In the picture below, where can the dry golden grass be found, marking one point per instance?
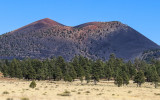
(51, 90)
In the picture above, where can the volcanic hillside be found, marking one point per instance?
(96, 40)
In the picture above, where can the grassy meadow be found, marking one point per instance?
(14, 89)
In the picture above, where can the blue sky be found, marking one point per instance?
(142, 15)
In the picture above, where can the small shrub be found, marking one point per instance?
(5, 92)
(157, 94)
(9, 99)
(87, 91)
(13, 91)
(44, 93)
(45, 86)
(24, 98)
(73, 91)
(36, 88)
(66, 93)
(100, 94)
(33, 84)
(129, 91)
(80, 90)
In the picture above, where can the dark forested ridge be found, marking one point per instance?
(96, 40)
(83, 68)
(148, 55)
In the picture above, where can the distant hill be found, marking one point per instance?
(96, 40)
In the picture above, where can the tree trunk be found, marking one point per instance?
(139, 84)
(81, 82)
(155, 84)
(87, 81)
(95, 82)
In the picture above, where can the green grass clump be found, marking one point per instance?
(44, 93)
(87, 91)
(66, 93)
(129, 91)
(157, 94)
(73, 91)
(9, 99)
(5, 92)
(100, 94)
(24, 98)
(36, 88)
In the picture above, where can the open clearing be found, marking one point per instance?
(60, 90)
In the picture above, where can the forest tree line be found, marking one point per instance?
(83, 69)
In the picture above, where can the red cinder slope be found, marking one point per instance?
(40, 24)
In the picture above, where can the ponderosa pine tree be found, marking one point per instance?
(132, 69)
(15, 70)
(148, 73)
(6, 62)
(71, 71)
(31, 73)
(154, 77)
(57, 75)
(51, 67)
(87, 69)
(137, 63)
(112, 64)
(108, 72)
(4, 70)
(81, 73)
(11, 70)
(139, 78)
(118, 80)
(24, 68)
(157, 65)
(125, 78)
(87, 77)
(97, 71)
(61, 63)
(67, 77)
(40, 74)
(45, 69)
(82, 61)
(76, 65)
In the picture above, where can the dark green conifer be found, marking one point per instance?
(139, 78)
